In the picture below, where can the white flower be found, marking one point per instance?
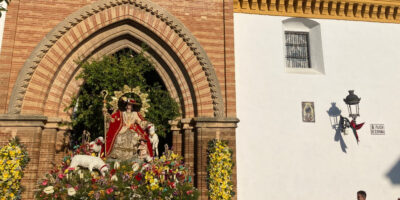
(71, 191)
(135, 167)
(48, 190)
(114, 178)
(116, 165)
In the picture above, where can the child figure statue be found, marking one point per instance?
(143, 150)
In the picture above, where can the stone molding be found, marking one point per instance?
(25, 75)
(358, 10)
(12, 120)
(215, 122)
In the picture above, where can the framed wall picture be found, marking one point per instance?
(308, 111)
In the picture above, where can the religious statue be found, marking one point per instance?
(124, 132)
(144, 153)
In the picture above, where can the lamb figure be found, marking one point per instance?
(90, 162)
(153, 139)
(96, 145)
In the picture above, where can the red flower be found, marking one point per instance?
(138, 177)
(134, 187)
(93, 180)
(112, 172)
(44, 182)
(109, 190)
(171, 184)
(189, 192)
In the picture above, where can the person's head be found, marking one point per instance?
(143, 141)
(361, 195)
(129, 104)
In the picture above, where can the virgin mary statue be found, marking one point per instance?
(124, 133)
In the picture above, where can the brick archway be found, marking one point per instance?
(46, 80)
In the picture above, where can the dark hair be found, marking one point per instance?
(142, 139)
(362, 193)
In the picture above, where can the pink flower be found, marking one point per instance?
(189, 192)
(71, 168)
(109, 190)
(61, 176)
(44, 182)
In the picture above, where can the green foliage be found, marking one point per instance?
(111, 73)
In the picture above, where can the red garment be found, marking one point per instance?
(115, 127)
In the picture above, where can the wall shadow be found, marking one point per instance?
(394, 174)
(334, 116)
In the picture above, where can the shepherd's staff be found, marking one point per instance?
(104, 93)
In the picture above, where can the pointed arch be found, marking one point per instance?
(46, 80)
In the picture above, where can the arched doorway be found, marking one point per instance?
(47, 78)
(46, 83)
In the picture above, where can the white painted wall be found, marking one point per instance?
(278, 156)
(2, 23)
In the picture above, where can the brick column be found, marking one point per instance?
(47, 146)
(188, 143)
(29, 130)
(176, 137)
(205, 130)
(62, 143)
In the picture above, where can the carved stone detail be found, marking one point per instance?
(361, 10)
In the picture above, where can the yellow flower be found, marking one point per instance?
(154, 186)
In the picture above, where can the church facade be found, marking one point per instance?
(295, 62)
(190, 43)
(282, 67)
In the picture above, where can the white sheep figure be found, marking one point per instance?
(96, 145)
(153, 139)
(90, 162)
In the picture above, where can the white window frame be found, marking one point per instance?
(314, 47)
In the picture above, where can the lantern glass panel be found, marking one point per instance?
(353, 110)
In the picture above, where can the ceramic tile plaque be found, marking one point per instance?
(308, 111)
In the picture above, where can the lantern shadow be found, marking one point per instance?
(334, 116)
(394, 174)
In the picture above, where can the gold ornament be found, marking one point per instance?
(126, 90)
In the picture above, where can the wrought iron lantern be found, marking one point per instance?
(352, 102)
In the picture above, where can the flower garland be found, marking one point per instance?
(13, 160)
(219, 168)
(163, 178)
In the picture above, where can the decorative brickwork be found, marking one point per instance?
(88, 30)
(190, 43)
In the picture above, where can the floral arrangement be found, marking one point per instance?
(219, 168)
(163, 178)
(13, 160)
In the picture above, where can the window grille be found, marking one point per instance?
(297, 50)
